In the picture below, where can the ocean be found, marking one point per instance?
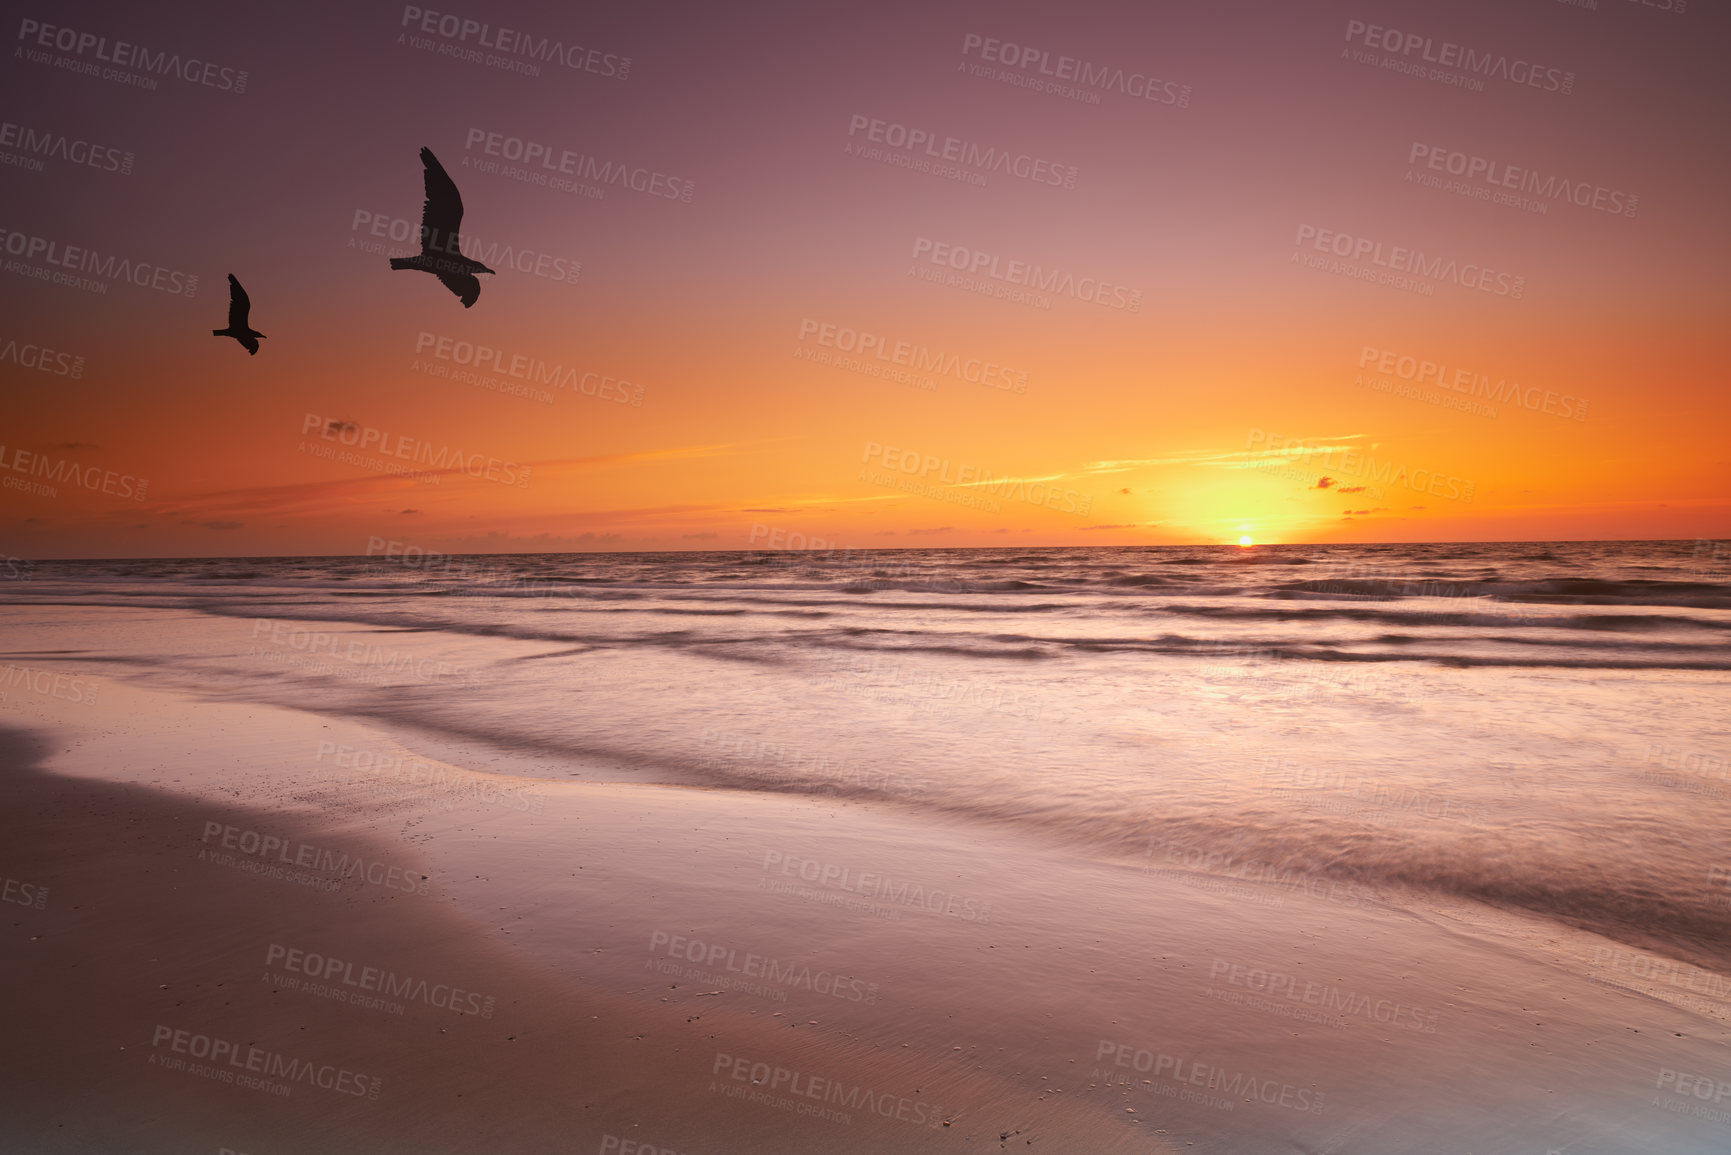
(1533, 727)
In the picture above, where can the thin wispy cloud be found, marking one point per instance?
(1010, 480)
(1227, 459)
(313, 496)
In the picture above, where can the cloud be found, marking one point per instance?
(1232, 459)
(929, 532)
(1323, 483)
(807, 502)
(78, 445)
(774, 509)
(219, 524)
(676, 453)
(1012, 480)
(698, 536)
(1125, 464)
(406, 512)
(323, 498)
(1125, 492)
(1350, 489)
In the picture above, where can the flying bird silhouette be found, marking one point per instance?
(239, 307)
(440, 252)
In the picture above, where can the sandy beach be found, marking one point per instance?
(155, 945)
(267, 929)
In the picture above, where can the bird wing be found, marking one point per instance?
(239, 304)
(442, 215)
(466, 286)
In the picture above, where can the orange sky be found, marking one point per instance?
(719, 321)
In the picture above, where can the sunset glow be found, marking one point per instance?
(1103, 350)
(1138, 578)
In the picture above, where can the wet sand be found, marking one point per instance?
(709, 971)
(138, 939)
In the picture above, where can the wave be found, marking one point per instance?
(1518, 642)
(1483, 611)
(1635, 879)
(1558, 589)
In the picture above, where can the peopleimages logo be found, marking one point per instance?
(493, 254)
(1026, 274)
(306, 855)
(1358, 464)
(66, 472)
(23, 893)
(1400, 259)
(372, 768)
(421, 452)
(794, 1087)
(1291, 991)
(48, 683)
(1233, 1085)
(966, 153)
(564, 162)
(529, 369)
(1422, 370)
(1699, 1086)
(1689, 761)
(1447, 54)
(1104, 78)
(241, 1057)
(145, 275)
(41, 358)
(779, 761)
(33, 143)
(120, 52)
(379, 981)
(1490, 177)
(829, 875)
(914, 356)
(1032, 491)
(456, 31)
(732, 960)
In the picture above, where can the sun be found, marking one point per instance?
(1245, 541)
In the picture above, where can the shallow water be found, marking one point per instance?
(1536, 726)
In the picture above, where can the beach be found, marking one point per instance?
(741, 853)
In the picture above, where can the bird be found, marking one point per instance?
(440, 252)
(239, 306)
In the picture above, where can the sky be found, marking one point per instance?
(897, 275)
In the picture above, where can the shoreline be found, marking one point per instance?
(175, 1001)
(632, 940)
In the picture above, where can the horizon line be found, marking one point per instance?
(870, 549)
